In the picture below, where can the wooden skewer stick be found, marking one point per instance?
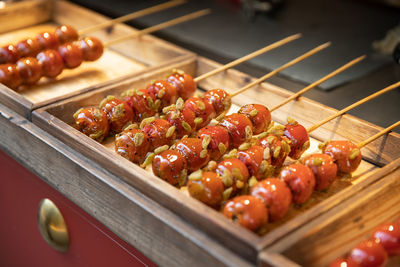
(131, 16)
(323, 79)
(285, 66)
(160, 26)
(362, 101)
(376, 136)
(249, 56)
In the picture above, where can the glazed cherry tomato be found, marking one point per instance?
(132, 144)
(342, 262)
(299, 140)
(10, 76)
(159, 132)
(92, 122)
(234, 174)
(182, 119)
(164, 91)
(66, 33)
(300, 180)
(208, 189)
(119, 113)
(9, 54)
(52, 63)
(219, 99)
(369, 253)
(239, 127)
(346, 155)
(28, 48)
(196, 156)
(203, 110)
(219, 140)
(276, 196)
(47, 40)
(71, 54)
(278, 148)
(324, 169)
(184, 83)
(259, 116)
(388, 235)
(170, 166)
(30, 70)
(92, 48)
(139, 101)
(253, 159)
(248, 211)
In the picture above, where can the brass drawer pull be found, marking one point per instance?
(52, 225)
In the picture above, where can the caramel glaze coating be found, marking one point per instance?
(342, 152)
(388, 235)
(201, 109)
(219, 99)
(191, 149)
(276, 196)
(71, 54)
(66, 33)
(324, 169)
(275, 144)
(169, 166)
(28, 48)
(259, 115)
(164, 91)
(229, 165)
(342, 262)
(178, 118)
(253, 158)
(9, 54)
(208, 189)
(126, 146)
(52, 63)
(119, 113)
(236, 124)
(92, 48)
(30, 70)
(369, 253)
(92, 122)
(219, 140)
(157, 132)
(299, 139)
(247, 211)
(47, 40)
(10, 76)
(137, 100)
(300, 180)
(184, 84)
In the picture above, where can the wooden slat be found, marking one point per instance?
(159, 234)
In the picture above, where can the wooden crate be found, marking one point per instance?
(57, 118)
(119, 61)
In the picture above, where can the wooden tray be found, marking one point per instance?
(56, 119)
(119, 61)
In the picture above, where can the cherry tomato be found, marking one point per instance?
(203, 110)
(219, 140)
(259, 116)
(92, 122)
(28, 48)
(253, 159)
(119, 113)
(300, 180)
(299, 140)
(248, 211)
(71, 54)
(159, 132)
(92, 48)
(276, 196)
(219, 99)
(196, 156)
(9, 54)
(388, 235)
(183, 120)
(163, 90)
(342, 262)
(239, 127)
(278, 148)
(234, 174)
(10, 76)
(47, 40)
(369, 253)
(66, 33)
(324, 169)
(30, 70)
(170, 166)
(52, 63)
(139, 101)
(184, 84)
(346, 154)
(132, 144)
(208, 189)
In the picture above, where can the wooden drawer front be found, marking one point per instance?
(91, 244)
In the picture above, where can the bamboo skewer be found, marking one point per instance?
(131, 16)
(376, 136)
(160, 26)
(249, 56)
(362, 101)
(285, 66)
(323, 79)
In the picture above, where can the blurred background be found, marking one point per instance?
(238, 27)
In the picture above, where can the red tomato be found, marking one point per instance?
(208, 189)
(219, 99)
(324, 169)
(369, 253)
(342, 262)
(239, 127)
(219, 140)
(92, 122)
(388, 235)
(164, 91)
(276, 146)
(300, 180)
(299, 139)
(253, 159)
(259, 116)
(119, 113)
(196, 156)
(203, 110)
(184, 83)
(132, 144)
(346, 154)
(157, 130)
(170, 166)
